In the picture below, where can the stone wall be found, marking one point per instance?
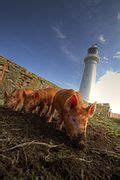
(13, 76)
(114, 115)
(102, 110)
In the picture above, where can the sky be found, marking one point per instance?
(51, 37)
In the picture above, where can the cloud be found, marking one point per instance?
(118, 16)
(65, 44)
(65, 84)
(70, 85)
(117, 55)
(70, 54)
(102, 39)
(104, 60)
(107, 90)
(59, 33)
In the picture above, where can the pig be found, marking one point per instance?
(73, 114)
(41, 98)
(16, 99)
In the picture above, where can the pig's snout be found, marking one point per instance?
(79, 141)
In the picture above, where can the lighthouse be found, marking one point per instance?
(89, 75)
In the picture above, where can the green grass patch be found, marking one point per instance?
(110, 124)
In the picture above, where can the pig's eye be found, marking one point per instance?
(73, 120)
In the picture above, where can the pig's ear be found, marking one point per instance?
(71, 103)
(91, 109)
(36, 95)
(6, 94)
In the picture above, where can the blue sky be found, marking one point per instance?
(51, 37)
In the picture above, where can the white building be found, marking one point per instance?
(89, 75)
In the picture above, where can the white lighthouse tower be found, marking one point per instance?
(89, 75)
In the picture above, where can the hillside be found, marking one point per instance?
(30, 148)
(13, 76)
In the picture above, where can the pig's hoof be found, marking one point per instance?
(49, 120)
(58, 127)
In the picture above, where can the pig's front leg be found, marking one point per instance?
(61, 121)
(48, 110)
(41, 109)
(51, 114)
(17, 107)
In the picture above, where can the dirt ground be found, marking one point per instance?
(30, 148)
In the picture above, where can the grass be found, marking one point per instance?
(110, 124)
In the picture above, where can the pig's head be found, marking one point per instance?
(30, 102)
(11, 100)
(76, 118)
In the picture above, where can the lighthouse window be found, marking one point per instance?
(92, 51)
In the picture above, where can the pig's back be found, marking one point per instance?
(62, 96)
(47, 94)
(50, 91)
(28, 91)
